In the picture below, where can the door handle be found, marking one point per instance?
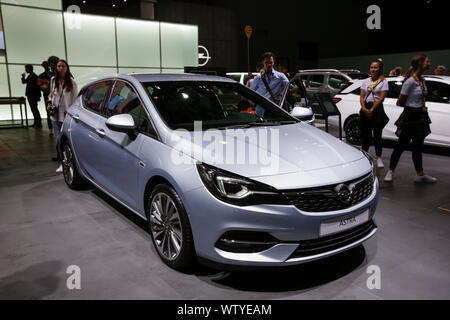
(100, 132)
(76, 117)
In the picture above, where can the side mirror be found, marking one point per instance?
(301, 112)
(122, 123)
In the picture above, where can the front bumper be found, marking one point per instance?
(210, 218)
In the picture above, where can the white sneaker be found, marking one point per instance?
(388, 177)
(380, 163)
(425, 178)
(59, 170)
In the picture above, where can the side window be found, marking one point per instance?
(315, 81)
(337, 81)
(125, 100)
(438, 91)
(394, 89)
(95, 95)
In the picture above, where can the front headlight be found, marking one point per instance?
(234, 189)
(371, 161)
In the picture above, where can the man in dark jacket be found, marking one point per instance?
(33, 93)
(44, 83)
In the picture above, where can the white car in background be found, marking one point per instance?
(241, 77)
(438, 103)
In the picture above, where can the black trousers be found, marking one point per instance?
(403, 142)
(366, 137)
(49, 122)
(34, 109)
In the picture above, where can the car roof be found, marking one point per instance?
(357, 83)
(151, 77)
(232, 73)
(154, 77)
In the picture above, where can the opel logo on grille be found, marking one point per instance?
(343, 193)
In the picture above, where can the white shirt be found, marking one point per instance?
(62, 99)
(412, 90)
(381, 86)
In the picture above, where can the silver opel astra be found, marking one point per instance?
(221, 174)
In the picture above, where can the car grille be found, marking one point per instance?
(332, 198)
(332, 242)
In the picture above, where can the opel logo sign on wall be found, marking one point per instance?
(203, 56)
(343, 193)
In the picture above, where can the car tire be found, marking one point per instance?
(351, 129)
(169, 227)
(70, 170)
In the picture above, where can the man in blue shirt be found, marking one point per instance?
(275, 80)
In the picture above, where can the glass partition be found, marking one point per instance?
(90, 40)
(138, 43)
(83, 75)
(95, 46)
(47, 4)
(179, 45)
(18, 89)
(32, 35)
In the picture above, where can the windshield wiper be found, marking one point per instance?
(272, 123)
(234, 126)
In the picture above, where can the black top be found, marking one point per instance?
(32, 91)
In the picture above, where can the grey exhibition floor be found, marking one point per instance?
(46, 227)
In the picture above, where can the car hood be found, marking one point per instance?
(264, 151)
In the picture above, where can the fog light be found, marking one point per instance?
(245, 241)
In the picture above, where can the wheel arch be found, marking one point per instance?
(350, 117)
(150, 185)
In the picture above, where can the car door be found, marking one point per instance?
(85, 139)
(121, 163)
(314, 84)
(438, 103)
(294, 95)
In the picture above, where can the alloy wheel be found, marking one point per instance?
(68, 166)
(352, 133)
(166, 226)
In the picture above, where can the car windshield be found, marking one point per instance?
(357, 75)
(219, 105)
